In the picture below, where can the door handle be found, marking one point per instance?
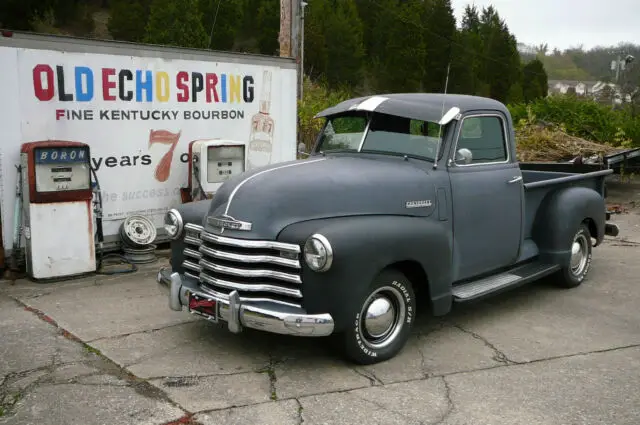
(515, 179)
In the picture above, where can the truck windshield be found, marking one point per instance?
(386, 134)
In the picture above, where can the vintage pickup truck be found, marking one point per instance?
(403, 195)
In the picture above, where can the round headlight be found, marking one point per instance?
(318, 253)
(173, 223)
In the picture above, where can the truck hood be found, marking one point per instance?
(274, 197)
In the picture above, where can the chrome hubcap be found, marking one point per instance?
(381, 318)
(579, 251)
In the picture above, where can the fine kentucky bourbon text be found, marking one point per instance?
(261, 137)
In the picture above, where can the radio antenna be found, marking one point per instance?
(446, 84)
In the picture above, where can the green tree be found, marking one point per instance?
(343, 35)
(176, 23)
(228, 15)
(128, 19)
(334, 49)
(400, 66)
(268, 20)
(439, 30)
(500, 55)
(534, 81)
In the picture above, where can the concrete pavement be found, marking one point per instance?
(108, 350)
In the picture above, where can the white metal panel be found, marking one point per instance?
(9, 140)
(61, 239)
(138, 174)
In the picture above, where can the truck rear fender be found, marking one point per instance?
(559, 216)
(362, 247)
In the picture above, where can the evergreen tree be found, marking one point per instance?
(343, 36)
(316, 50)
(439, 31)
(501, 59)
(176, 23)
(228, 16)
(127, 19)
(467, 63)
(534, 80)
(400, 67)
(268, 20)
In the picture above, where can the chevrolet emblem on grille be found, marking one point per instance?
(226, 222)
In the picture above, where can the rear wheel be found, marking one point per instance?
(574, 272)
(381, 324)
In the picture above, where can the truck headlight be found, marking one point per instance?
(318, 253)
(173, 223)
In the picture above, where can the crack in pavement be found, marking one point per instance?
(108, 366)
(498, 356)
(383, 407)
(145, 331)
(270, 370)
(450, 405)
(300, 410)
(187, 419)
(423, 359)
(370, 375)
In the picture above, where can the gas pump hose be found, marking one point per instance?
(100, 255)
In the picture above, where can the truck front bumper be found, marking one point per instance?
(238, 315)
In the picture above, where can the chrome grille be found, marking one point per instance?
(258, 270)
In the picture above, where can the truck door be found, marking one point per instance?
(487, 196)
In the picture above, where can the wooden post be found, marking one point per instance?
(285, 28)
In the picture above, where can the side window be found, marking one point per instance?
(484, 137)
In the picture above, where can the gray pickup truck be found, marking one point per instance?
(403, 195)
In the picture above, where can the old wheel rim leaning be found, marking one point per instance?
(382, 317)
(579, 254)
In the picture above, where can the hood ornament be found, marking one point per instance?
(228, 222)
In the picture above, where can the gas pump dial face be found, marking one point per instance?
(61, 169)
(224, 162)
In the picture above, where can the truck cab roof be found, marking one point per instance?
(418, 106)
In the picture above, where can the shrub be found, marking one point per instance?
(315, 98)
(583, 118)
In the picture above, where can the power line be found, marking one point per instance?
(214, 23)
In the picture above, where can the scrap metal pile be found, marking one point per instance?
(548, 143)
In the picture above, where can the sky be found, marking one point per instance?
(565, 23)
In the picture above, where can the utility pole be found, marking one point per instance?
(285, 28)
(303, 4)
(295, 40)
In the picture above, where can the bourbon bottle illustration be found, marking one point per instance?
(261, 137)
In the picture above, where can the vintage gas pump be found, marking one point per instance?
(58, 213)
(212, 163)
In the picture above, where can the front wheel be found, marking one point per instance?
(574, 272)
(382, 322)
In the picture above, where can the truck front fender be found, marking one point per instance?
(559, 216)
(363, 246)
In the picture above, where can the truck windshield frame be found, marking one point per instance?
(366, 132)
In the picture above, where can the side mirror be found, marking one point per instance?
(464, 156)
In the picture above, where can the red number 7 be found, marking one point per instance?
(163, 169)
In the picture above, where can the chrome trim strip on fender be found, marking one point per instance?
(235, 189)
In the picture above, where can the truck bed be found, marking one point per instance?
(538, 184)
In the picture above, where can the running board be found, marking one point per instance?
(502, 281)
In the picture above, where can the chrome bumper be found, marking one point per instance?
(238, 315)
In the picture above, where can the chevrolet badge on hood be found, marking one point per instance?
(227, 222)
